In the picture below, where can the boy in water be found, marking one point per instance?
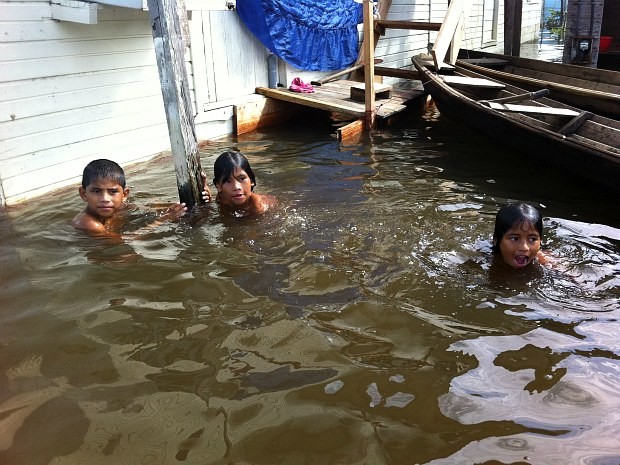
(105, 193)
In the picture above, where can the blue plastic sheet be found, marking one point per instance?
(314, 35)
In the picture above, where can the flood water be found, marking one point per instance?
(362, 322)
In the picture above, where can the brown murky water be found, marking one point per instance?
(363, 322)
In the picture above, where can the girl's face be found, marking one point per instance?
(236, 190)
(520, 245)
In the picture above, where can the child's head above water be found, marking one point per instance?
(229, 163)
(235, 181)
(518, 234)
(103, 170)
(105, 193)
(103, 189)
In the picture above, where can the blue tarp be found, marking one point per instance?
(314, 35)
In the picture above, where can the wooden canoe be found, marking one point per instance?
(559, 135)
(591, 89)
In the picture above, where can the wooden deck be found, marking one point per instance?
(335, 96)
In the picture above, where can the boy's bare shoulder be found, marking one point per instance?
(85, 222)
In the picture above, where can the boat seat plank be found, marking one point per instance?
(472, 82)
(575, 123)
(531, 109)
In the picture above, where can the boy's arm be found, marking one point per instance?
(174, 212)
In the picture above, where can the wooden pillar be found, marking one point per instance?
(513, 12)
(450, 32)
(170, 56)
(369, 66)
(384, 9)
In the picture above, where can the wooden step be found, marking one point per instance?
(358, 92)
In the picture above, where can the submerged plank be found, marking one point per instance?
(350, 131)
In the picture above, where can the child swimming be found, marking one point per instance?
(235, 181)
(105, 193)
(518, 235)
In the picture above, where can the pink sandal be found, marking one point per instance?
(297, 85)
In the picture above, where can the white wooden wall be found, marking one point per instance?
(227, 64)
(531, 19)
(477, 31)
(397, 46)
(70, 93)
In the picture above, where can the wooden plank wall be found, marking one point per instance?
(479, 18)
(70, 93)
(530, 21)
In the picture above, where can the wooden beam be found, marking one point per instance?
(170, 53)
(369, 66)
(351, 131)
(455, 18)
(331, 77)
(382, 24)
(575, 123)
(74, 11)
(397, 72)
(384, 9)
(512, 26)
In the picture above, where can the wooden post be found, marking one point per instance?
(512, 27)
(384, 9)
(369, 66)
(452, 25)
(170, 56)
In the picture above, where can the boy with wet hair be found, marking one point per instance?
(105, 193)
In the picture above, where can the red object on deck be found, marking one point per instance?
(604, 43)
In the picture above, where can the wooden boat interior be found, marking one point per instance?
(537, 70)
(536, 110)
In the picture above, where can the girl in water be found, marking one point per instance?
(235, 181)
(518, 235)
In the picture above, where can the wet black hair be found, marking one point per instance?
(225, 166)
(103, 169)
(515, 214)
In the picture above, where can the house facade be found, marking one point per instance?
(79, 80)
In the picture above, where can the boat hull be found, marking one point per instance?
(597, 163)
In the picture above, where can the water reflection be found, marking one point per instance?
(364, 321)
